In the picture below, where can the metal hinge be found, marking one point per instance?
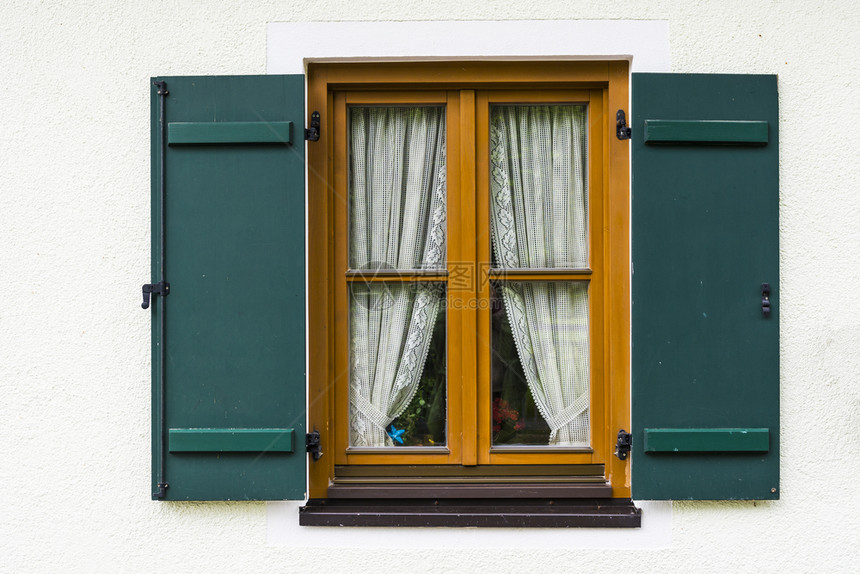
(622, 132)
(765, 299)
(161, 288)
(312, 444)
(312, 134)
(623, 445)
(162, 490)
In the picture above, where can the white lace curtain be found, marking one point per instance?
(539, 209)
(397, 222)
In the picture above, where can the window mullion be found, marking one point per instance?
(464, 269)
(482, 242)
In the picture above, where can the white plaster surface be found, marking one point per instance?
(74, 237)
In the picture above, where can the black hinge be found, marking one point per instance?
(312, 134)
(312, 444)
(161, 288)
(162, 490)
(623, 445)
(622, 132)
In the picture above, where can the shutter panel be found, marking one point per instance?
(234, 320)
(705, 358)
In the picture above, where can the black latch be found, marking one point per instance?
(312, 444)
(312, 134)
(622, 132)
(765, 299)
(622, 446)
(161, 288)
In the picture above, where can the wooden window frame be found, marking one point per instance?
(466, 87)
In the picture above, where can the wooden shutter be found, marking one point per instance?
(232, 426)
(705, 357)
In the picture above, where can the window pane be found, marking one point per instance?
(540, 371)
(538, 186)
(397, 217)
(397, 394)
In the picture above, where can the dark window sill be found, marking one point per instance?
(459, 512)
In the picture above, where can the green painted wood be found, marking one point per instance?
(234, 319)
(230, 440)
(184, 133)
(705, 131)
(705, 226)
(706, 440)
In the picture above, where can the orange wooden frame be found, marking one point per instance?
(342, 453)
(467, 89)
(593, 275)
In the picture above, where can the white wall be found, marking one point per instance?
(74, 249)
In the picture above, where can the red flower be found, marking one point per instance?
(502, 413)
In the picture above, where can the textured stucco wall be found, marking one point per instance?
(74, 249)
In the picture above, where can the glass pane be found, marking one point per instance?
(397, 191)
(538, 186)
(397, 394)
(540, 371)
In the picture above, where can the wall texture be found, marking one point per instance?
(74, 250)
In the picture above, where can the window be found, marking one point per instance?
(448, 204)
(230, 394)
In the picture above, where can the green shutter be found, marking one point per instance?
(234, 321)
(705, 358)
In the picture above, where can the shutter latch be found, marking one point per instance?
(622, 132)
(623, 445)
(161, 288)
(312, 134)
(765, 299)
(312, 444)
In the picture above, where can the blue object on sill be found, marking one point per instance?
(396, 434)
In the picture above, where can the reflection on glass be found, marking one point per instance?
(423, 421)
(515, 416)
(397, 394)
(540, 371)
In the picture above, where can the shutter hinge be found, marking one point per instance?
(623, 445)
(765, 299)
(312, 444)
(622, 132)
(162, 490)
(312, 134)
(161, 288)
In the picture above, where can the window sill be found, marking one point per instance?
(464, 512)
(537, 496)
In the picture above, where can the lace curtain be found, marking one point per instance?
(397, 222)
(539, 220)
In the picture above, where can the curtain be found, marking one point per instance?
(397, 221)
(538, 196)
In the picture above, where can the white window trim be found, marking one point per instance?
(292, 45)
(645, 43)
